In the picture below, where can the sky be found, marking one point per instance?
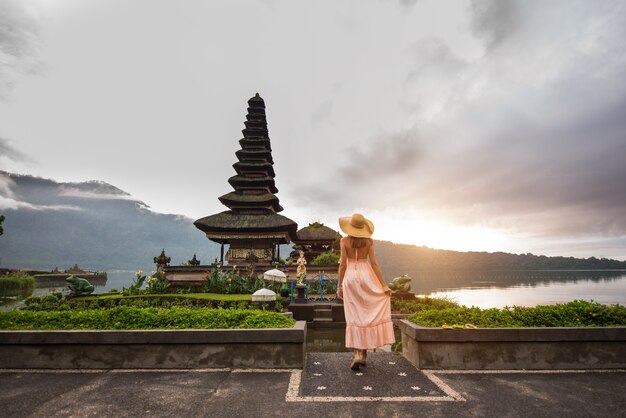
(465, 125)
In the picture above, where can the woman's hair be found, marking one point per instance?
(359, 242)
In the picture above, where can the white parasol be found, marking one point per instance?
(275, 275)
(263, 295)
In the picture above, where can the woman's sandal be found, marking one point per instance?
(355, 364)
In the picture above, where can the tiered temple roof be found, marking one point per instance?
(315, 239)
(253, 204)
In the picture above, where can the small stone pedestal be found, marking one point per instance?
(301, 297)
(403, 295)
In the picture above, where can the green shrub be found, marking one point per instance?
(108, 301)
(326, 259)
(130, 317)
(157, 284)
(421, 304)
(573, 314)
(16, 284)
(135, 287)
(235, 281)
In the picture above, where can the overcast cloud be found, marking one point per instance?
(503, 116)
(529, 137)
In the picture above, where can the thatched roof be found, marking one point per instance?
(316, 232)
(242, 182)
(230, 221)
(237, 199)
(242, 167)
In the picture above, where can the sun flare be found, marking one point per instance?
(411, 229)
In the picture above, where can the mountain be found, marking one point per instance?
(403, 257)
(50, 224)
(95, 224)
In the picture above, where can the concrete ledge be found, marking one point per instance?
(154, 349)
(514, 348)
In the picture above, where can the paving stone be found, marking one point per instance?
(386, 375)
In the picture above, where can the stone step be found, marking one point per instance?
(323, 313)
(320, 320)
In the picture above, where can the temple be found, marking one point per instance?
(252, 226)
(316, 239)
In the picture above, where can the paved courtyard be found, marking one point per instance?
(387, 387)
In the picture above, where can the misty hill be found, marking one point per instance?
(50, 224)
(402, 258)
(94, 224)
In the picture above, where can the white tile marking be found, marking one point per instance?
(402, 374)
(359, 374)
(316, 362)
(321, 388)
(415, 387)
(392, 362)
(296, 378)
(367, 388)
(317, 374)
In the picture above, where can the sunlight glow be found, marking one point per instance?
(410, 228)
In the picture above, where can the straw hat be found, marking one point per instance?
(357, 226)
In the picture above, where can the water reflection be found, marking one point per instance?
(606, 291)
(433, 281)
(326, 340)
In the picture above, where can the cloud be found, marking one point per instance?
(322, 112)
(9, 203)
(8, 151)
(494, 20)
(373, 168)
(92, 194)
(528, 137)
(8, 199)
(19, 41)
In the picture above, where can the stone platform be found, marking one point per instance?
(387, 376)
(289, 393)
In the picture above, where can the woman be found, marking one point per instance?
(366, 296)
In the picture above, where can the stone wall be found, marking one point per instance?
(514, 348)
(154, 349)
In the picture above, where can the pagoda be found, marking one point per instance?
(316, 239)
(252, 226)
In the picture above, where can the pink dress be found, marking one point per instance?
(367, 308)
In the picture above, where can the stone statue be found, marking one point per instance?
(301, 270)
(401, 284)
(79, 287)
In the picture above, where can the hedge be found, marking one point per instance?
(421, 304)
(130, 317)
(578, 313)
(55, 302)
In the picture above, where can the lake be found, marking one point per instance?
(483, 289)
(523, 288)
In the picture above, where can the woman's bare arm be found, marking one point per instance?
(342, 267)
(377, 270)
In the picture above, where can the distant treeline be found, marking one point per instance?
(415, 258)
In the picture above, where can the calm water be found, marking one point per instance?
(496, 290)
(482, 289)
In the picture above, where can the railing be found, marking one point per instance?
(323, 280)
